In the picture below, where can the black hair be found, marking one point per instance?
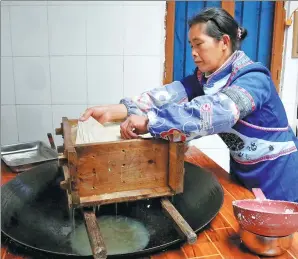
(218, 23)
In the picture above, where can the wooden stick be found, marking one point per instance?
(96, 241)
(181, 225)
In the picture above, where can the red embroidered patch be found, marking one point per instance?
(206, 107)
(173, 134)
(199, 75)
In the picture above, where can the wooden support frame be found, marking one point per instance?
(278, 42)
(277, 47)
(169, 42)
(295, 36)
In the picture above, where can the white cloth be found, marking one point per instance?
(91, 131)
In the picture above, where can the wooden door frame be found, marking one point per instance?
(278, 43)
(169, 42)
(277, 40)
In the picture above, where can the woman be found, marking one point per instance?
(228, 95)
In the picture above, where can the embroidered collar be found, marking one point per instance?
(222, 67)
(223, 71)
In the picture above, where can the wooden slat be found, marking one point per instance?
(294, 248)
(175, 254)
(3, 248)
(201, 250)
(169, 42)
(72, 166)
(295, 35)
(176, 166)
(115, 197)
(278, 42)
(71, 155)
(229, 6)
(227, 212)
(219, 223)
(203, 247)
(66, 129)
(228, 243)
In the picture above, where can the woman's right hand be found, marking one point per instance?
(99, 113)
(105, 113)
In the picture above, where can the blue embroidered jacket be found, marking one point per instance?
(239, 103)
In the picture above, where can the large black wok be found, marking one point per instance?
(34, 212)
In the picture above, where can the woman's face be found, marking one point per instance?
(208, 53)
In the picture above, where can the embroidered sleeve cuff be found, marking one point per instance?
(131, 107)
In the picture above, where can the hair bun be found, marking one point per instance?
(243, 33)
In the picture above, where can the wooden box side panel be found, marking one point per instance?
(176, 166)
(69, 133)
(122, 166)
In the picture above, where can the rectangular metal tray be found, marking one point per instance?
(23, 156)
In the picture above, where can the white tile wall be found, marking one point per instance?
(5, 32)
(29, 30)
(110, 78)
(68, 80)
(105, 28)
(9, 129)
(32, 80)
(67, 3)
(7, 81)
(137, 40)
(145, 3)
(60, 57)
(139, 74)
(23, 3)
(34, 122)
(67, 30)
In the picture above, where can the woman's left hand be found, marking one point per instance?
(133, 126)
